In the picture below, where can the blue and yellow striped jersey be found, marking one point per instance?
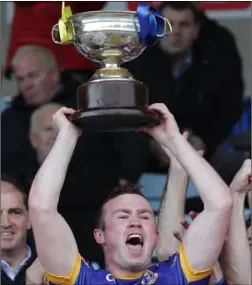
(174, 271)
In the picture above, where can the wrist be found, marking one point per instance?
(173, 144)
(238, 196)
(69, 132)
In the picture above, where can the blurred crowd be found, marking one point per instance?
(196, 72)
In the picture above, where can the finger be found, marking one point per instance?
(160, 109)
(193, 215)
(143, 129)
(186, 135)
(201, 152)
(247, 162)
(249, 178)
(177, 235)
(185, 224)
(66, 111)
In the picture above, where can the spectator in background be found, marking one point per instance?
(32, 25)
(39, 82)
(196, 72)
(231, 153)
(17, 257)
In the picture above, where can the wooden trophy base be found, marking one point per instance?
(112, 105)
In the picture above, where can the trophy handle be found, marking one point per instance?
(167, 28)
(62, 33)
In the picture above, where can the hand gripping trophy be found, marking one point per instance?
(112, 100)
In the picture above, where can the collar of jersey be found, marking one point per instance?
(129, 276)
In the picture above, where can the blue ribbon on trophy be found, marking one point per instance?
(152, 24)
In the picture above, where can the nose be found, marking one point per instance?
(135, 223)
(26, 85)
(175, 29)
(5, 221)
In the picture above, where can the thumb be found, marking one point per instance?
(144, 130)
(186, 135)
(201, 152)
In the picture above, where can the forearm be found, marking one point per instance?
(213, 191)
(47, 185)
(236, 251)
(172, 211)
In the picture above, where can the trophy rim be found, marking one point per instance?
(102, 12)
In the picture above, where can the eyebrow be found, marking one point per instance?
(15, 209)
(127, 211)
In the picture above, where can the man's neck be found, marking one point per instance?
(14, 257)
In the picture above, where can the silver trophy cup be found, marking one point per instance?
(112, 100)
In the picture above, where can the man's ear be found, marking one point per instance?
(33, 139)
(99, 236)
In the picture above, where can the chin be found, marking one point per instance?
(137, 265)
(7, 247)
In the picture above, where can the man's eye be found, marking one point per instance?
(123, 217)
(145, 218)
(16, 212)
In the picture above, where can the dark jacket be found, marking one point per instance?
(15, 122)
(207, 97)
(21, 276)
(99, 159)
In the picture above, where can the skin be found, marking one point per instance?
(14, 222)
(125, 215)
(55, 240)
(37, 83)
(236, 251)
(184, 32)
(42, 134)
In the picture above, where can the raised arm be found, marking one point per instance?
(202, 245)
(172, 209)
(56, 246)
(236, 251)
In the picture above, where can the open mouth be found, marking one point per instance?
(135, 244)
(135, 239)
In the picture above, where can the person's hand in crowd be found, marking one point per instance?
(35, 274)
(242, 180)
(217, 273)
(61, 122)
(164, 160)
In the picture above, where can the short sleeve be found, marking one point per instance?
(78, 275)
(177, 270)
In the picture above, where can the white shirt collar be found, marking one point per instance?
(9, 270)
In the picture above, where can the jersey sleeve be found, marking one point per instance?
(179, 271)
(79, 275)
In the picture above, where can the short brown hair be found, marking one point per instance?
(116, 192)
(181, 6)
(20, 187)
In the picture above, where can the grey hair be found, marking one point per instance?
(45, 54)
(35, 115)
